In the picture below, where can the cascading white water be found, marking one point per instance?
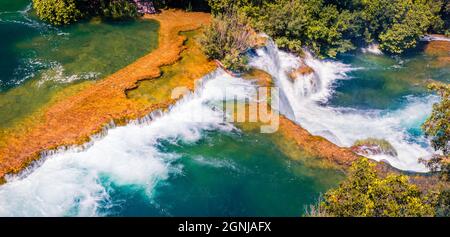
(70, 182)
(373, 49)
(21, 17)
(435, 38)
(343, 126)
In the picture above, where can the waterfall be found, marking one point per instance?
(305, 88)
(76, 182)
(304, 101)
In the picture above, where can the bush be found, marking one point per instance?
(364, 194)
(57, 12)
(440, 165)
(441, 203)
(437, 126)
(119, 10)
(227, 39)
(61, 12)
(291, 45)
(330, 27)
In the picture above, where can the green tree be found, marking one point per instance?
(57, 12)
(227, 39)
(119, 9)
(364, 194)
(441, 202)
(222, 6)
(60, 12)
(286, 22)
(398, 24)
(330, 27)
(324, 29)
(437, 126)
(331, 32)
(440, 198)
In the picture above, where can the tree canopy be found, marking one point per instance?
(61, 12)
(227, 38)
(364, 194)
(326, 27)
(437, 126)
(329, 27)
(57, 12)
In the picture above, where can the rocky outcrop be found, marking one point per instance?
(303, 70)
(371, 147)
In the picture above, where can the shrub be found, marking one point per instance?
(364, 194)
(57, 12)
(330, 27)
(60, 12)
(440, 165)
(291, 45)
(441, 202)
(119, 10)
(437, 126)
(227, 39)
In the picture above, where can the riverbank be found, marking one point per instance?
(73, 120)
(441, 50)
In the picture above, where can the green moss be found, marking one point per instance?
(384, 145)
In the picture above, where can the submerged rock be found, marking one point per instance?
(373, 49)
(373, 146)
(303, 70)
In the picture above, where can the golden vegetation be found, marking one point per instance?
(74, 119)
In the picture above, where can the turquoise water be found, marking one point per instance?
(172, 167)
(227, 175)
(385, 83)
(177, 168)
(220, 174)
(37, 61)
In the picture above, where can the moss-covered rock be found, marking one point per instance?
(373, 146)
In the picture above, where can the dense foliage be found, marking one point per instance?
(227, 38)
(364, 194)
(195, 5)
(437, 126)
(57, 12)
(326, 27)
(329, 27)
(60, 12)
(118, 9)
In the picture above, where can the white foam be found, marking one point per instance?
(435, 38)
(70, 182)
(22, 17)
(344, 126)
(373, 49)
(56, 73)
